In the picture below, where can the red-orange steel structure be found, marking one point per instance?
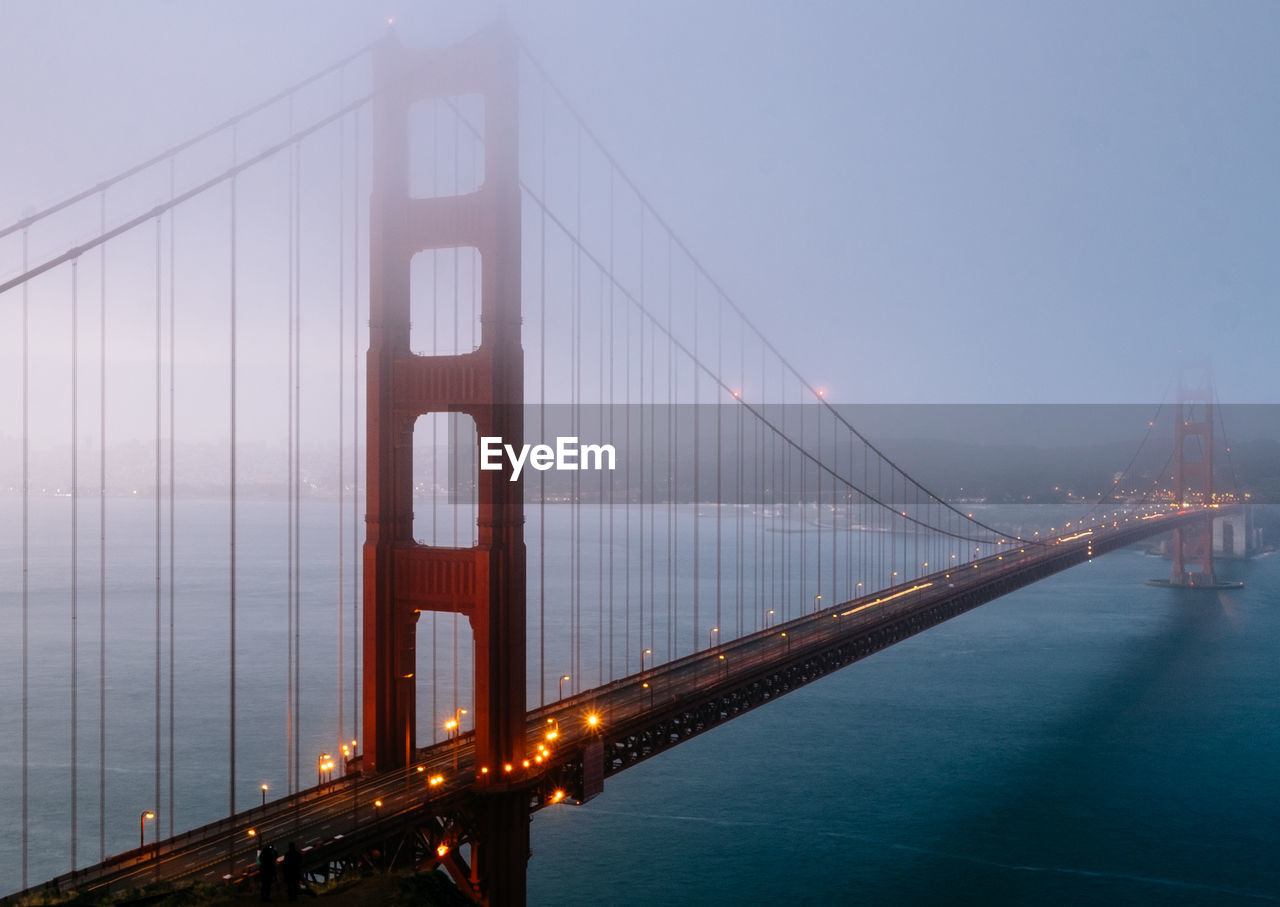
(1193, 418)
(402, 578)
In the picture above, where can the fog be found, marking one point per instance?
(916, 203)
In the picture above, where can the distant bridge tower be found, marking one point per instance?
(402, 578)
(1193, 475)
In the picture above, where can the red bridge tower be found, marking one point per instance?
(402, 578)
(1193, 419)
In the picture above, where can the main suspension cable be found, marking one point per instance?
(175, 150)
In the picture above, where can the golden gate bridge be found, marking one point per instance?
(748, 539)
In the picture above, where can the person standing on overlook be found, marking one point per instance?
(267, 869)
(292, 871)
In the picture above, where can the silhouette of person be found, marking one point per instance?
(292, 871)
(267, 869)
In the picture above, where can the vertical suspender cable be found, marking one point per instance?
(697, 472)
(355, 434)
(75, 543)
(672, 466)
(784, 494)
(626, 540)
(719, 459)
(435, 419)
(297, 462)
(231, 730)
(291, 705)
(172, 547)
(800, 591)
(818, 482)
(26, 492)
(760, 569)
(600, 675)
(102, 537)
(653, 487)
(454, 420)
(612, 404)
(640, 553)
(542, 414)
(575, 396)
(342, 423)
(761, 501)
(849, 530)
(835, 491)
(158, 508)
(742, 471)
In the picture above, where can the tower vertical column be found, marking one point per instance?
(387, 692)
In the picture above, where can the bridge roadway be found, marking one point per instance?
(634, 718)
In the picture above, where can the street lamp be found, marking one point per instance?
(711, 635)
(264, 795)
(817, 600)
(768, 619)
(645, 683)
(563, 678)
(452, 727)
(142, 828)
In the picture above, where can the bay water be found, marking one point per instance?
(1088, 739)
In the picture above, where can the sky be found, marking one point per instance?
(915, 202)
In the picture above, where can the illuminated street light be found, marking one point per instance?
(563, 678)
(264, 795)
(642, 655)
(142, 828)
(711, 634)
(817, 601)
(453, 727)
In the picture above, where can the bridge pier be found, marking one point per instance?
(500, 854)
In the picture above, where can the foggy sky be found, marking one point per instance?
(917, 202)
